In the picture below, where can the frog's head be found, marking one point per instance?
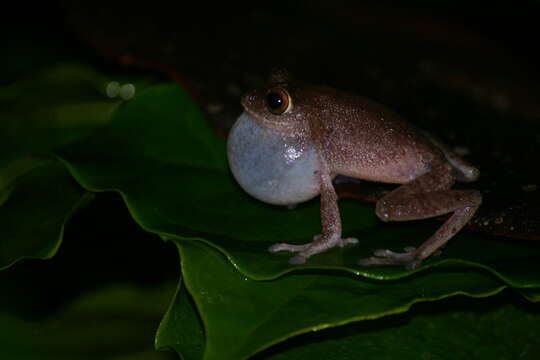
(282, 104)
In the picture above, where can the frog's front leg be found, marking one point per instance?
(331, 227)
(427, 196)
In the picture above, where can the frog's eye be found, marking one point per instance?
(278, 101)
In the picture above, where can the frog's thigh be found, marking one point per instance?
(426, 196)
(424, 205)
(423, 198)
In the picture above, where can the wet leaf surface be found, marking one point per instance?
(242, 316)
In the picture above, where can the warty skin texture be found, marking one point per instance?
(356, 137)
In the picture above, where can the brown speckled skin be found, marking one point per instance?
(360, 138)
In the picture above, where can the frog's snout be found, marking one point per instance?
(244, 100)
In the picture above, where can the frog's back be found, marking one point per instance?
(363, 139)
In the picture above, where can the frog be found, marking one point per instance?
(293, 138)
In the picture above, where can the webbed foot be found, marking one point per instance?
(318, 245)
(388, 257)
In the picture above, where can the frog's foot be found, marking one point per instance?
(341, 242)
(304, 251)
(387, 257)
(287, 247)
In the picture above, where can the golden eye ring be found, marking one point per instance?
(278, 100)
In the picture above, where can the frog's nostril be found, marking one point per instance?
(246, 99)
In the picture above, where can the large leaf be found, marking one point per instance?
(181, 328)
(161, 156)
(158, 153)
(442, 331)
(241, 316)
(38, 114)
(36, 208)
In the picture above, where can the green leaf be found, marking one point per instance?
(161, 156)
(447, 330)
(57, 106)
(156, 150)
(13, 171)
(116, 322)
(39, 114)
(181, 328)
(36, 209)
(243, 316)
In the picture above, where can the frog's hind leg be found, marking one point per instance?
(427, 196)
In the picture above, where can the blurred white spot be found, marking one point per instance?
(112, 89)
(127, 91)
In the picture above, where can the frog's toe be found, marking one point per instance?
(347, 241)
(286, 247)
(318, 246)
(388, 257)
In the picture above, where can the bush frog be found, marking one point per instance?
(293, 139)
